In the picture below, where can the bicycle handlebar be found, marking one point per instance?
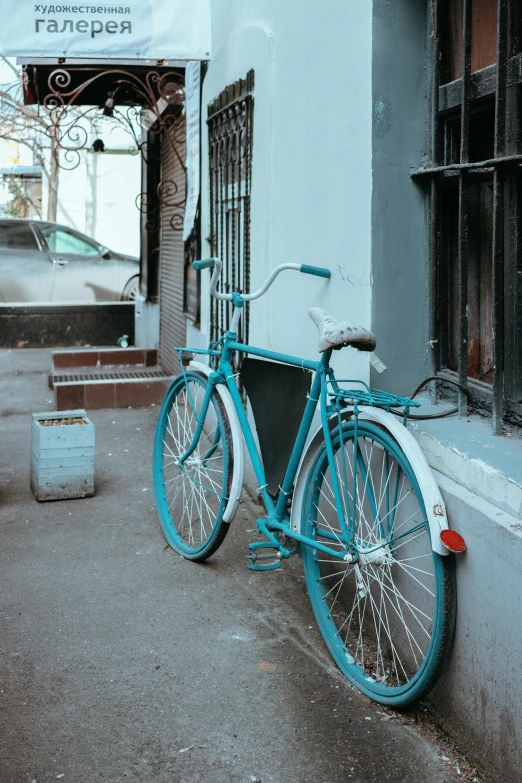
(206, 263)
(216, 264)
(318, 271)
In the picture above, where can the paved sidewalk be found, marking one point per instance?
(120, 661)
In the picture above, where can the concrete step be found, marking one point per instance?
(110, 392)
(107, 378)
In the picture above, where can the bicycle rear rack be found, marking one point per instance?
(341, 397)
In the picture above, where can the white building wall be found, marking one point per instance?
(311, 182)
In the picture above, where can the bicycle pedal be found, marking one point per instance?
(254, 555)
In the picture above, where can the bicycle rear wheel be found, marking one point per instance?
(191, 498)
(388, 619)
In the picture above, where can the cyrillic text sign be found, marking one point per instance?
(123, 29)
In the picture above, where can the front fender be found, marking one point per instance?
(435, 508)
(237, 443)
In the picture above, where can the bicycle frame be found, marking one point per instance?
(333, 400)
(277, 519)
(338, 498)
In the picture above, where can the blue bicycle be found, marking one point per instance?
(358, 502)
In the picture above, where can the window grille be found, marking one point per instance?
(474, 176)
(230, 127)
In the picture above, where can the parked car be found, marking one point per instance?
(47, 262)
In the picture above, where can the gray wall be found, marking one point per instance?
(478, 699)
(399, 251)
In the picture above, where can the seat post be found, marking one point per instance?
(325, 358)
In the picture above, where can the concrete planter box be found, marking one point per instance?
(62, 455)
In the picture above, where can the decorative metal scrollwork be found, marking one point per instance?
(151, 212)
(71, 128)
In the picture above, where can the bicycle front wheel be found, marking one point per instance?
(191, 497)
(388, 618)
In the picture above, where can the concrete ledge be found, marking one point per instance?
(479, 698)
(466, 451)
(40, 326)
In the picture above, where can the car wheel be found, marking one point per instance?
(131, 290)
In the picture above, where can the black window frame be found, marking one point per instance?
(502, 84)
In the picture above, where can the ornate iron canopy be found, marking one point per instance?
(89, 84)
(139, 99)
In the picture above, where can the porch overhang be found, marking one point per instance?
(90, 82)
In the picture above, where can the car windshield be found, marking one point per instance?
(59, 240)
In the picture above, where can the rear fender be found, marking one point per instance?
(435, 508)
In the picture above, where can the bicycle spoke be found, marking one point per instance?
(395, 652)
(397, 609)
(380, 612)
(194, 491)
(328, 525)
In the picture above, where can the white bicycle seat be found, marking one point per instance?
(336, 334)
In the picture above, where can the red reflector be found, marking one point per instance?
(453, 541)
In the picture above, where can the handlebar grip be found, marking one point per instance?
(319, 271)
(206, 263)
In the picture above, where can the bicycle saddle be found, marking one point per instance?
(336, 334)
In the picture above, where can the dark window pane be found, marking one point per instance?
(450, 278)
(480, 326)
(483, 36)
(452, 141)
(480, 343)
(451, 40)
(17, 236)
(482, 135)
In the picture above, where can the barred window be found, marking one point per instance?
(474, 170)
(230, 129)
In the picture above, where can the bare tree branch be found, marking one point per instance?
(10, 65)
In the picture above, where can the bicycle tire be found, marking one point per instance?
(192, 498)
(387, 623)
